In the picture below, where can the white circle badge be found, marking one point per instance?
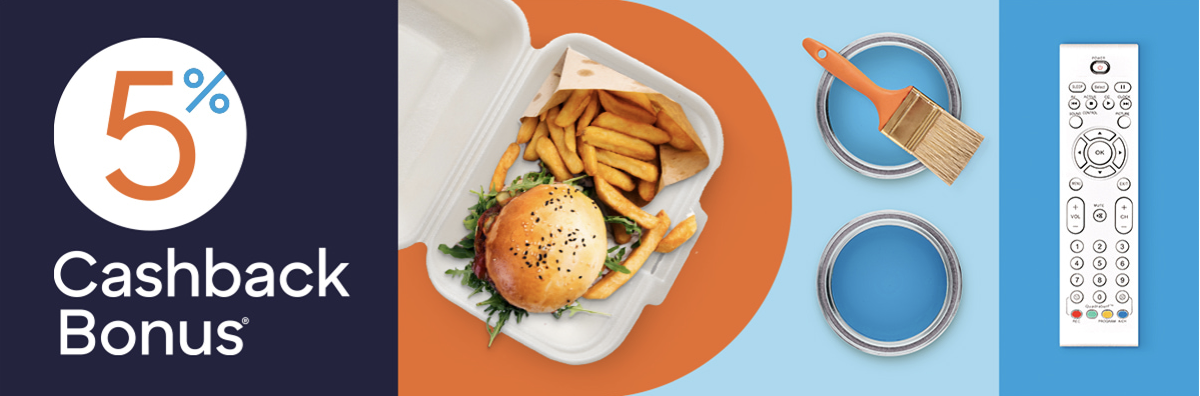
(150, 134)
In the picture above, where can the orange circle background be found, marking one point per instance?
(442, 349)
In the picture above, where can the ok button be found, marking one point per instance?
(1099, 153)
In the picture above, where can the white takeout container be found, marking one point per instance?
(467, 72)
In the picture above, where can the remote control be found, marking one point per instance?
(1098, 195)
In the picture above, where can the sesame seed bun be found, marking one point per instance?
(546, 247)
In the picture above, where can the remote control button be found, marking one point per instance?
(1099, 173)
(1122, 297)
(1090, 104)
(1099, 297)
(1099, 246)
(1122, 279)
(1099, 87)
(1108, 104)
(1107, 314)
(1075, 122)
(1091, 314)
(1122, 263)
(1076, 314)
(1099, 153)
(1125, 104)
(1080, 153)
(1077, 86)
(1077, 245)
(1076, 297)
(1100, 67)
(1124, 122)
(1099, 133)
(1075, 183)
(1099, 215)
(1122, 314)
(1123, 184)
(1075, 224)
(1122, 87)
(1076, 280)
(1076, 263)
(1073, 103)
(1122, 246)
(1124, 222)
(1099, 280)
(1099, 263)
(1119, 156)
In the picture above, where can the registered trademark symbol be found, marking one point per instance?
(245, 320)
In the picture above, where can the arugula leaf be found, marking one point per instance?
(574, 309)
(630, 227)
(614, 262)
(459, 250)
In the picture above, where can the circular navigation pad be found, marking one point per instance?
(1099, 153)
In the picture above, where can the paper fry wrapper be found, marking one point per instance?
(575, 71)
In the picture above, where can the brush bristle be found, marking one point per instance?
(947, 147)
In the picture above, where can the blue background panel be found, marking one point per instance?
(1031, 362)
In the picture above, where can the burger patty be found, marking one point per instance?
(482, 225)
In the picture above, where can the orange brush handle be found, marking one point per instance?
(886, 101)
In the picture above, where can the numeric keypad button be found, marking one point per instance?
(1122, 246)
(1099, 246)
(1122, 297)
(1122, 279)
(1076, 263)
(1099, 263)
(1076, 280)
(1077, 246)
(1099, 297)
(1122, 263)
(1099, 280)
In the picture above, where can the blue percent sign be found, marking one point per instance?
(212, 102)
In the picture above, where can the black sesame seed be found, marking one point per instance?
(539, 277)
(581, 277)
(568, 270)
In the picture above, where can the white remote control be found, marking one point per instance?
(1098, 195)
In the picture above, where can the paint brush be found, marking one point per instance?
(908, 117)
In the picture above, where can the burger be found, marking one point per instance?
(543, 248)
(536, 247)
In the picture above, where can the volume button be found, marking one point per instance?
(1075, 218)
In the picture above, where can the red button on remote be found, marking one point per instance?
(1076, 314)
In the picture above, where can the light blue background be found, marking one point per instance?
(1165, 363)
(787, 347)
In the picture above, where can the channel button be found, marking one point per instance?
(1124, 215)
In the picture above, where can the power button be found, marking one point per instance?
(1100, 67)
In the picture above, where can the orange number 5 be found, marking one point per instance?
(119, 125)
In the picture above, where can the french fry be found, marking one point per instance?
(647, 132)
(571, 159)
(637, 98)
(541, 132)
(549, 155)
(682, 232)
(620, 236)
(639, 169)
(573, 107)
(625, 109)
(679, 138)
(506, 161)
(585, 119)
(647, 189)
(619, 203)
(528, 125)
(570, 136)
(615, 279)
(619, 143)
(587, 153)
(615, 177)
